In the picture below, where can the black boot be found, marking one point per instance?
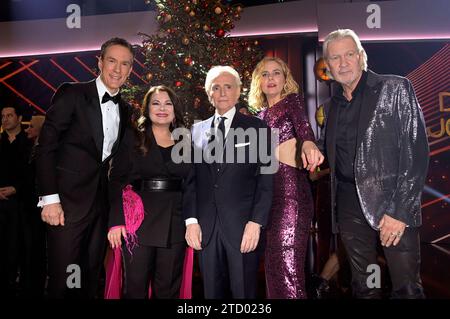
(319, 287)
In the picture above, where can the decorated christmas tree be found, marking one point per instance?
(193, 35)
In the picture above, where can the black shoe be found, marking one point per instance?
(319, 287)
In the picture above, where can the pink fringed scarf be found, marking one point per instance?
(133, 210)
(113, 287)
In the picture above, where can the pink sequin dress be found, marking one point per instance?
(292, 208)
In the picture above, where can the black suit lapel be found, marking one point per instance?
(123, 114)
(368, 105)
(229, 142)
(94, 115)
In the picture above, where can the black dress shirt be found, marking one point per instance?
(14, 159)
(347, 130)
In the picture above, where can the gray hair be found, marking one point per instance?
(217, 70)
(341, 34)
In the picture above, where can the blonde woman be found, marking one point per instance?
(275, 93)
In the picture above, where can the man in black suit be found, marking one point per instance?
(377, 148)
(226, 204)
(81, 133)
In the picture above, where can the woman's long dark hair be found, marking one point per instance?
(143, 124)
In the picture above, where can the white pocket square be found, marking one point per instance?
(241, 144)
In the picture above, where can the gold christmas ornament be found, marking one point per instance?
(192, 14)
(320, 70)
(149, 76)
(185, 41)
(206, 28)
(320, 115)
(218, 10)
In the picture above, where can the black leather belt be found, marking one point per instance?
(157, 184)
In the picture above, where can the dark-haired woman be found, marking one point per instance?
(153, 228)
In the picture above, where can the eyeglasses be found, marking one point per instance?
(348, 56)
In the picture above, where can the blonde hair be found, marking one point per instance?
(256, 98)
(342, 34)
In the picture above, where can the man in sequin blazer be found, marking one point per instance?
(377, 148)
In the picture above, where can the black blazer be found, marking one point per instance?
(163, 222)
(69, 154)
(238, 193)
(392, 151)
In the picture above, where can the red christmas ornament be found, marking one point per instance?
(220, 33)
(188, 60)
(196, 102)
(178, 84)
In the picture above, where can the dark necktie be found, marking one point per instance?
(220, 138)
(107, 97)
(221, 127)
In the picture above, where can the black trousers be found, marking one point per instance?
(9, 237)
(160, 266)
(225, 269)
(33, 265)
(82, 244)
(360, 242)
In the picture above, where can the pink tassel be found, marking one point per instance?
(133, 210)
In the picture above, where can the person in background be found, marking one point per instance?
(243, 109)
(14, 153)
(33, 267)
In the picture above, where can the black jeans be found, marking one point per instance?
(360, 241)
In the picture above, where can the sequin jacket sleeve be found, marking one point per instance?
(413, 158)
(297, 114)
